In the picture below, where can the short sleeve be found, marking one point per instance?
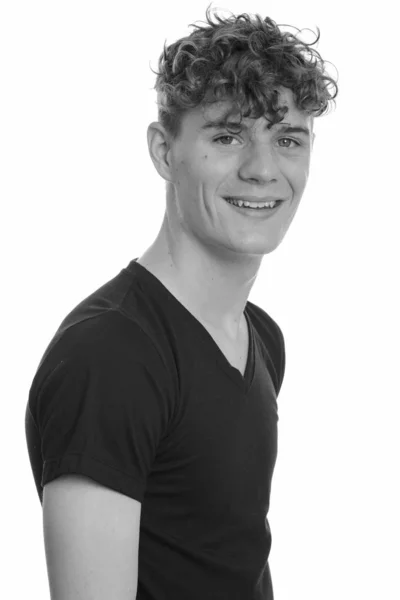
(104, 408)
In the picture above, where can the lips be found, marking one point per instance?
(255, 203)
(254, 199)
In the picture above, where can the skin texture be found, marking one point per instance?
(206, 253)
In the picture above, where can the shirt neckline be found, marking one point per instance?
(244, 380)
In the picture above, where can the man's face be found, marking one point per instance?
(207, 166)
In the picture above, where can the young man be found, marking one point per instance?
(152, 419)
(208, 251)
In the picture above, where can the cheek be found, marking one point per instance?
(298, 178)
(198, 171)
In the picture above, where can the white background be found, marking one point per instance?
(80, 198)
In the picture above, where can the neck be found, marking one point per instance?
(214, 284)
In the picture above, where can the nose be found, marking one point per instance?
(259, 163)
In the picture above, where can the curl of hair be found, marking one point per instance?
(245, 60)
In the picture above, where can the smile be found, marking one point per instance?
(263, 212)
(252, 205)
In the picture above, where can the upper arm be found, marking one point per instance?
(91, 536)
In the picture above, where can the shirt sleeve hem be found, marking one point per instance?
(81, 464)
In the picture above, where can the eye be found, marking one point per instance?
(224, 137)
(221, 137)
(290, 140)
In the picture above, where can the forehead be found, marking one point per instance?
(216, 112)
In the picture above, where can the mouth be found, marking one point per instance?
(254, 210)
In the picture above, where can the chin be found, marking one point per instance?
(256, 247)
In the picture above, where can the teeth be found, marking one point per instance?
(240, 203)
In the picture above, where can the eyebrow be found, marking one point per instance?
(219, 124)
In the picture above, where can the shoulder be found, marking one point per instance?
(265, 325)
(272, 340)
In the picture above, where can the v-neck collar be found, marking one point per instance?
(244, 381)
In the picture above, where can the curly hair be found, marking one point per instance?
(243, 60)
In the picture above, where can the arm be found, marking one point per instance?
(91, 536)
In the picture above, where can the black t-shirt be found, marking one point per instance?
(133, 392)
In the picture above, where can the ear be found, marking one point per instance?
(159, 149)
